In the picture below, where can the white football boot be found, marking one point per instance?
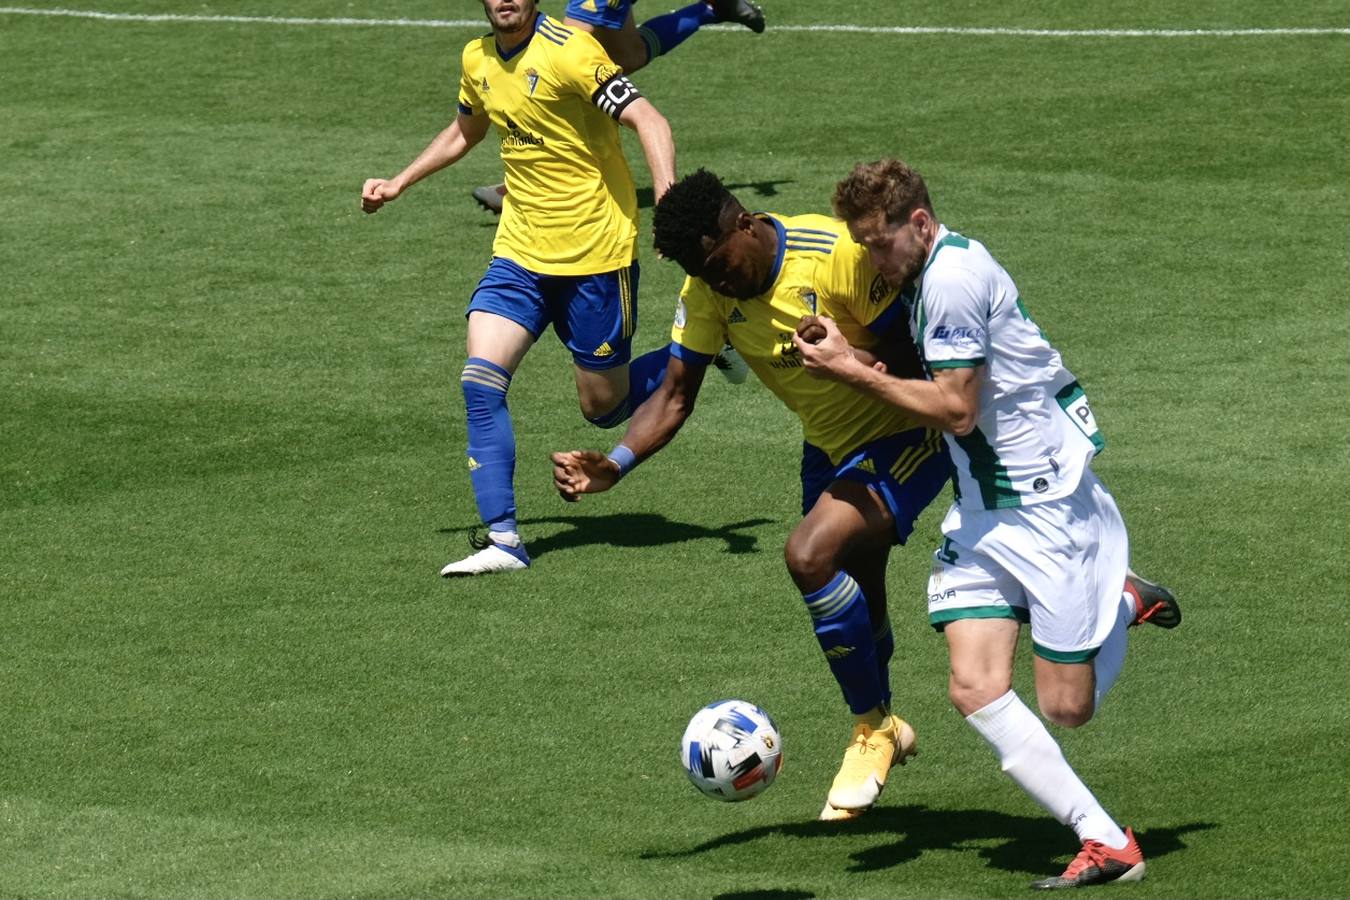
(731, 364)
(501, 551)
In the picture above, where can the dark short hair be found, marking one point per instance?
(689, 212)
(887, 185)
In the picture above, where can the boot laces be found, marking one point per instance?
(1093, 854)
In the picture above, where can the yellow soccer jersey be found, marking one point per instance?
(820, 270)
(571, 207)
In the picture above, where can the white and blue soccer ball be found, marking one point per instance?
(731, 750)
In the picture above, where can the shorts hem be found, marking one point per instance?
(1064, 656)
(602, 366)
(941, 619)
(528, 326)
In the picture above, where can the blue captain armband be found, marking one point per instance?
(624, 458)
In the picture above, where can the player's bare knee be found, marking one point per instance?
(602, 417)
(807, 563)
(1067, 712)
(630, 59)
(970, 694)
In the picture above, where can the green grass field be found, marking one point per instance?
(231, 464)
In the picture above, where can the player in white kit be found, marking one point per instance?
(1033, 535)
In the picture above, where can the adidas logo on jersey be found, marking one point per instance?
(474, 465)
(604, 350)
(868, 466)
(736, 316)
(838, 652)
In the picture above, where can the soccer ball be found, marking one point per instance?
(731, 750)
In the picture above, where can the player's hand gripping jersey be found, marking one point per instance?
(1035, 434)
(819, 271)
(571, 207)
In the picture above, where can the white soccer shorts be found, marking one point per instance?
(1059, 564)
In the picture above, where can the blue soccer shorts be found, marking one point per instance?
(595, 316)
(906, 470)
(600, 13)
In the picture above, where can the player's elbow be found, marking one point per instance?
(679, 409)
(960, 422)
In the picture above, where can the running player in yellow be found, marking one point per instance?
(632, 46)
(868, 469)
(565, 251)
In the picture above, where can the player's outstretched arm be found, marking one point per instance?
(950, 402)
(654, 424)
(447, 148)
(658, 145)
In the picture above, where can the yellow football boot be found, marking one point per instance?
(868, 760)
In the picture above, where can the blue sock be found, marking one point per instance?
(492, 442)
(663, 34)
(884, 639)
(645, 375)
(844, 629)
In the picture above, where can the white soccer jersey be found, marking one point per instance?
(1035, 434)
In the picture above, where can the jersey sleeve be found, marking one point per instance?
(470, 100)
(855, 284)
(699, 330)
(953, 321)
(586, 68)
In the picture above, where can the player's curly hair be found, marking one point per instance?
(690, 211)
(887, 185)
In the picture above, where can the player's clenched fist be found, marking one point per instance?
(810, 329)
(376, 193)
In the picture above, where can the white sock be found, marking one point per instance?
(1032, 758)
(1110, 659)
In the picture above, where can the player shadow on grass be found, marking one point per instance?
(1025, 844)
(766, 894)
(634, 530)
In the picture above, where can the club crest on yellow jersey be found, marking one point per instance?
(532, 79)
(605, 73)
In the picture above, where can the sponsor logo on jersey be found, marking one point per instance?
(519, 137)
(963, 337)
(532, 78)
(838, 652)
(604, 350)
(785, 353)
(948, 594)
(867, 465)
(1040, 485)
(879, 290)
(474, 465)
(736, 317)
(484, 87)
